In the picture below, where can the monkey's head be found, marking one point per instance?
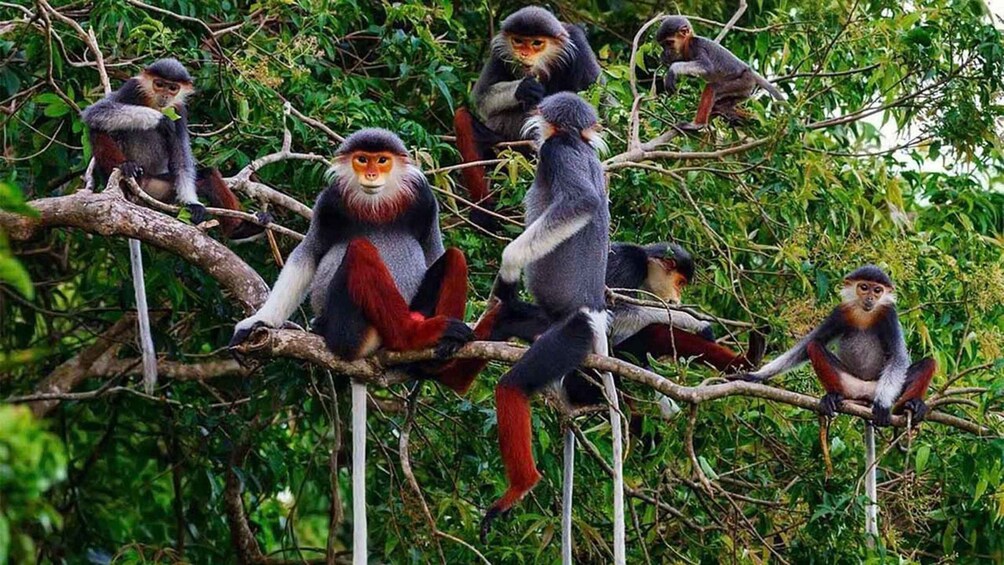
(868, 289)
(375, 175)
(674, 34)
(670, 268)
(535, 39)
(165, 83)
(565, 113)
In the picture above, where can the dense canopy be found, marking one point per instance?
(889, 151)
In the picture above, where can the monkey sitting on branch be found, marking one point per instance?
(730, 81)
(130, 130)
(872, 363)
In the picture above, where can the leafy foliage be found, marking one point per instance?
(889, 152)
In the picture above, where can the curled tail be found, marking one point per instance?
(766, 85)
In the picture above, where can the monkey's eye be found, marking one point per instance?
(158, 83)
(361, 160)
(382, 160)
(863, 287)
(518, 41)
(173, 87)
(879, 290)
(537, 44)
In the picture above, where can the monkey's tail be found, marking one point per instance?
(766, 85)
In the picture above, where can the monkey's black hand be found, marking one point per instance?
(197, 212)
(828, 404)
(707, 332)
(241, 334)
(505, 292)
(529, 93)
(669, 84)
(264, 217)
(456, 335)
(748, 377)
(881, 415)
(131, 169)
(918, 408)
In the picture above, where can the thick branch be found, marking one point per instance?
(108, 214)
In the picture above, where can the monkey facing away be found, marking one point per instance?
(129, 131)
(872, 363)
(730, 81)
(373, 259)
(533, 55)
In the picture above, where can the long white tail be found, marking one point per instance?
(766, 85)
(143, 316)
(360, 553)
(567, 486)
(871, 490)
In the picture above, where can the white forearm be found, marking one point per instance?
(499, 97)
(289, 290)
(632, 319)
(535, 242)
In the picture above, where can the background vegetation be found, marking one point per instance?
(889, 152)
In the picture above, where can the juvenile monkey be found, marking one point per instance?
(872, 362)
(129, 131)
(730, 81)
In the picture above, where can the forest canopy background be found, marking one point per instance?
(888, 152)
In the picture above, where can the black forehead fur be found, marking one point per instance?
(533, 20)
(684, 260)
(169, 69)
(671, 25)
(870, 273)
(565, 111)
(373, 140)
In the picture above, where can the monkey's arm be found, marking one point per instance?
(890, 383)
(108, 115)
(495, 91)
(181, 164)
(826, 332)
(432, 238)
(629, 319)
(560, 221)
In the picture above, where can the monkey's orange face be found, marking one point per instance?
(664, 280)
(529, 49)
(678, 40)
(869, 294)
(163, 93)
(372, 170)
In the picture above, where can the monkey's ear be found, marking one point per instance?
(670, 264)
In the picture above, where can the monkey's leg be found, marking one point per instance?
(838, 382)
(209, 184)
(729, 94)
(475, 143)
(360, 551)
(372, 289)
(443, 292)
(662, 340)
(501, 322)
(703, 111)
(918, 379)
(555, 353)
(106, 152)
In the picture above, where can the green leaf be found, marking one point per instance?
(920, 462)
(14, 274)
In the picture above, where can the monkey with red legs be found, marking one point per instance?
(730, 81)
(871, 363)
(564, 253)
(374, 264)
(533, 55)
(130, 131)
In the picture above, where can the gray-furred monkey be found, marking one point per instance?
(871, 362)
(373, 260)
(730, 81)
(129, 131)
(564, 253)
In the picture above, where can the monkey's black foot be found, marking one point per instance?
(757, 346)
(197, 212)
(131, 169)
(689, 127)
(486, 522)
(241, 335)
(748, 377)
(484, 220)
(264, 218)
(456, 335)
(881, 415)
(504, 291)
(918, 408)
(828, 404)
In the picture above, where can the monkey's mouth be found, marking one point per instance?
(372, 187)
(867, 306)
